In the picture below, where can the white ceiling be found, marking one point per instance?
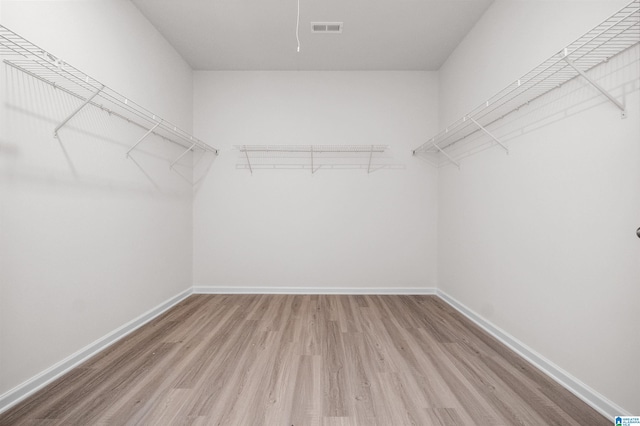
(261, 34)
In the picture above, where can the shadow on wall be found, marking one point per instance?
(90, 151)
(619, 76)
(202, 163)
(8, 150)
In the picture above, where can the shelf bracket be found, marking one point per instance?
(490, 134)
(248, 161)
(446, 155)
(77, 110)
(597, 86)
(142, 138)
(181, 155)
(370, 157)
(312, 171)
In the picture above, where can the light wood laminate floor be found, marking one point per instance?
(305, 360)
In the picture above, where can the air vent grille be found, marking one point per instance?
(326, 27)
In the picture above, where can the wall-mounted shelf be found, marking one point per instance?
(34, 61)
(613, 36)
(313, 157)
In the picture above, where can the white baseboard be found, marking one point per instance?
(22, 391)
(202, 289)
(603, 405)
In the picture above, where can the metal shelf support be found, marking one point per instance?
(597, 86)
(142, 138)
(490, 134)
(446, 155)
(246, 154)
(312, 169)
(77, 110)
(181, 155)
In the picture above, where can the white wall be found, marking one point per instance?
(335, 228)
(89, 240)
(541, 242)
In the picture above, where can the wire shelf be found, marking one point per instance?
(317, 149)
(25, 56)
(314, 157)
(613, 36)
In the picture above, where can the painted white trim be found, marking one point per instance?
(202, 289)
(600, 403)
(23, 390)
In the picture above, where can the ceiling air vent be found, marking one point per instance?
(326, 27)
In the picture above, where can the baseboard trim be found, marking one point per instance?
(24, 390)
(202, 289)
(600, 403)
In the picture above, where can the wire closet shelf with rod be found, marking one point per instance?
(21, 54)
(314, 157)
(610, 38)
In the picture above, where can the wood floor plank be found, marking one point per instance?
(163, 411)
(461, 388)
(114, 388)
(359, 377)
(378, 343)
(306, 407)
(282, 384)
(291, 327)
(309, 360)
(432, 384)
(317, 329)
(445, 417)
(193, 367)
(334, 381)
(492, 389)
(61, 390)
(215, 385)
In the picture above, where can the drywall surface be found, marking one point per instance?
(541, 242)
(335, 229)
(89, 239)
